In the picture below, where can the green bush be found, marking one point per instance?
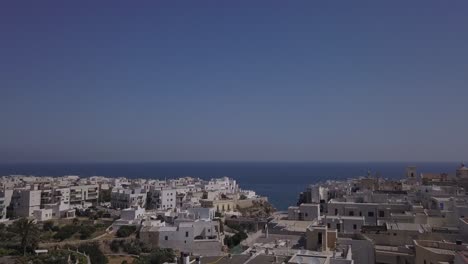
(7, 252)
(157, 256)
(125, 231)
(132, 247)
(115, 246)
(94, 253)
(66, 232)
(86, 231)
(47, 226)
(232, 241)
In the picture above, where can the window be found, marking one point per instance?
(328, 225)
(354, 227)
(319, 238)
(360, 213)
(351, 213)
(370, 214)
(381, 213)
(306, 215)
(186, 234)
(209, 230)
(166, 238)
(336, 211)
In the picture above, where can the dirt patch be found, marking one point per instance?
(119, 259)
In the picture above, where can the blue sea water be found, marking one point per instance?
(280, 181)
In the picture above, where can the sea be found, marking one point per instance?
(281, 182)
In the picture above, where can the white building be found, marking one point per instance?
(25, 202)
(43, 214)
(201, 213)
(197, 237)
(225, 184)
(5, 200)
(344, 224)
(126, 198)
(130, 216)
(164, 199)
(83, 196)
(304, 212)
(132, 213)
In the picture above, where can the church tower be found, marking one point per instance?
(411, 172)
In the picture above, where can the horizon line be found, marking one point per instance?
(225, 161)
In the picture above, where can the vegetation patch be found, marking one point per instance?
(157, 256)
(126, 231)
(95, 254)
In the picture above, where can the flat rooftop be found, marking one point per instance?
(343, 217)
(234, 259)
(408, 227)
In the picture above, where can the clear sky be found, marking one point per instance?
(233, 81)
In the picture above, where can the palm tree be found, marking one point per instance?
(28, 231)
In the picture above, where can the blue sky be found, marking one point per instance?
(233, 81)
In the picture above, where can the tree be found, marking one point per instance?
(125, 231)
(232, 241)
(115, 246)
(86, 231)
(28, 232)
(66, 232)
(105, 195)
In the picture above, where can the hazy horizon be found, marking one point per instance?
(233, 81)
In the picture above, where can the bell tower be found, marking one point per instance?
(411, 172)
